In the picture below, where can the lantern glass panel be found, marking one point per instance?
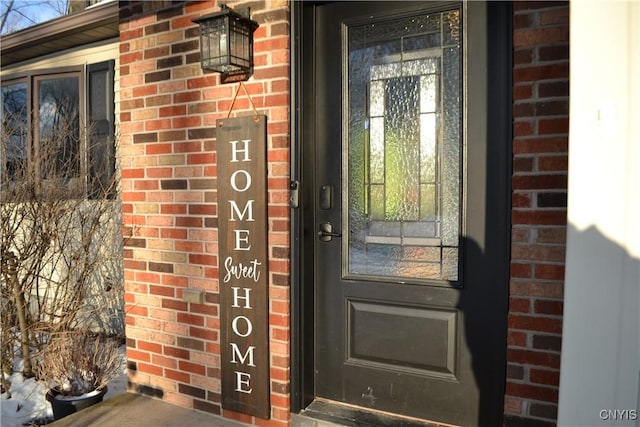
(214, 44)
(240, 33)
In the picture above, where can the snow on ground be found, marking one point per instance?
(28, 406)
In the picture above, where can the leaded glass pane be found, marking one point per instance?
(428, 154)
(423, 41)
(450, 263)
(451, 148)
(385, 228)
(419, 229)
(404, 90)
(376, 96)
(428, 202)
(419, 67)
(401, 149)
(377, 202)
(387, 71)
(377, 152)
(451, 28)
(428, 93)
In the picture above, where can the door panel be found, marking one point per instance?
(409, 293)
(430, 332)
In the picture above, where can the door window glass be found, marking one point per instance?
(404, 148)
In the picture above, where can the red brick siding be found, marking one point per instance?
(168, 109)
(539, 215)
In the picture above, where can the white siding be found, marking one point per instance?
(600, 371)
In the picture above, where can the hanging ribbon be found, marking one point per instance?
(236, 95)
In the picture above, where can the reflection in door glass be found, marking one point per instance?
(404, 148)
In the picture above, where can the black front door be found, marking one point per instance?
(406, 172)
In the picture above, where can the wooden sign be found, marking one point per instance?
(243, 263)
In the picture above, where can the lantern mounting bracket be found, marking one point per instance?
(244, 11)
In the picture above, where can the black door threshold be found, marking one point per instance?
(347, 415)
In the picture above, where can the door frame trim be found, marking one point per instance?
(301, 301)
(500, 66)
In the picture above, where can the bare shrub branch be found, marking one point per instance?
(77, 362)
(60, 236)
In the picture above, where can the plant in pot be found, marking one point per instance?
(76, 367)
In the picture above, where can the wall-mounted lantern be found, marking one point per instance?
(226, 44)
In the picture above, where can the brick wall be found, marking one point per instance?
(539, 217)
(168, 109)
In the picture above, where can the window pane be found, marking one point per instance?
(101, 147)
(14, 131)
(59, 127)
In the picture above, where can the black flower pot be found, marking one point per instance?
(63, 406)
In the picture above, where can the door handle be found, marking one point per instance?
(326, 232)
